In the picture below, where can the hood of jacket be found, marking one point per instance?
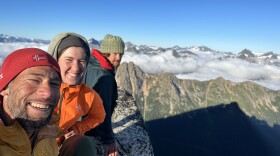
(53, 47)
(98, 60)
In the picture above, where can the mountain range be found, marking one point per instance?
(10, 39)
(178, 52)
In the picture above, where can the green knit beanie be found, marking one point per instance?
(112, 44)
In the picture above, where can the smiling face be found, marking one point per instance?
(32, 96)
(72, 64)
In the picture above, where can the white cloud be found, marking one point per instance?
(163, 62)
(207, 66)
(7, 48)
(203, 67)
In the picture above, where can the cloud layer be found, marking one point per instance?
(203, 67)
(7, 48)
(206, 67)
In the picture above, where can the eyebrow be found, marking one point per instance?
(68, 57)
(71, 57)
(57, 78)
(36, 74)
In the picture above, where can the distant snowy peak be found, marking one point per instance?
(130, 47)
(246, 54)
(10, 39)
(141, 48)
(201, 48)
(270, 55)
(94, 43)
(266, 58)
(4, 36)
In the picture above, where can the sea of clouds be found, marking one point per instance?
(207, 66)
(203, 67)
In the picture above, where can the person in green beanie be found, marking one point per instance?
(100, 75)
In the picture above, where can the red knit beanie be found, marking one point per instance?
(22, 59)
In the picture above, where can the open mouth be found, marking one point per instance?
(39, 106)
(73, 78)
(73, 74)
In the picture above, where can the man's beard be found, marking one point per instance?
(22, 117)
(28, 124)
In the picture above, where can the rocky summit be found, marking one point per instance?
(129, 128)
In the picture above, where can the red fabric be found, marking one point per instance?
(104, 63)
(22, 59)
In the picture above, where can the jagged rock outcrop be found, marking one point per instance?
(206, 118)
(129, 128)
(163, 95)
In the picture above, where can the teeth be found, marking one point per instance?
(37, 105)
(72, 74)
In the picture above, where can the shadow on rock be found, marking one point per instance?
(214, 131)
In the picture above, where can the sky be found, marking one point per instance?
(222, 25)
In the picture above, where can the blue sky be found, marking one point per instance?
(224, 25)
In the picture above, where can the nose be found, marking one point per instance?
(45, 90)
(75, 66)
(118, 57)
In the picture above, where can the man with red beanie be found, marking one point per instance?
(29, 92)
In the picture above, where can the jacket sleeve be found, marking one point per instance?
(106, 87)
(95, 115)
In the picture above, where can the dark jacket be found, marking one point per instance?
(100, 76)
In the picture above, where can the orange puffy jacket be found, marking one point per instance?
(76, 102)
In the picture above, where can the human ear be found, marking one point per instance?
(4, 92)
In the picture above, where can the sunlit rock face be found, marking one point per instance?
(129, 128)
(206, 118)
(164, 95)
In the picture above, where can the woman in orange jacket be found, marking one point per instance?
(77, 100)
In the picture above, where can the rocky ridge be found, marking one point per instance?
(163, 95)
(129, 128)
(206, 118)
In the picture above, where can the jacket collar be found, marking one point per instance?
(104, 63)
(70, 88)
